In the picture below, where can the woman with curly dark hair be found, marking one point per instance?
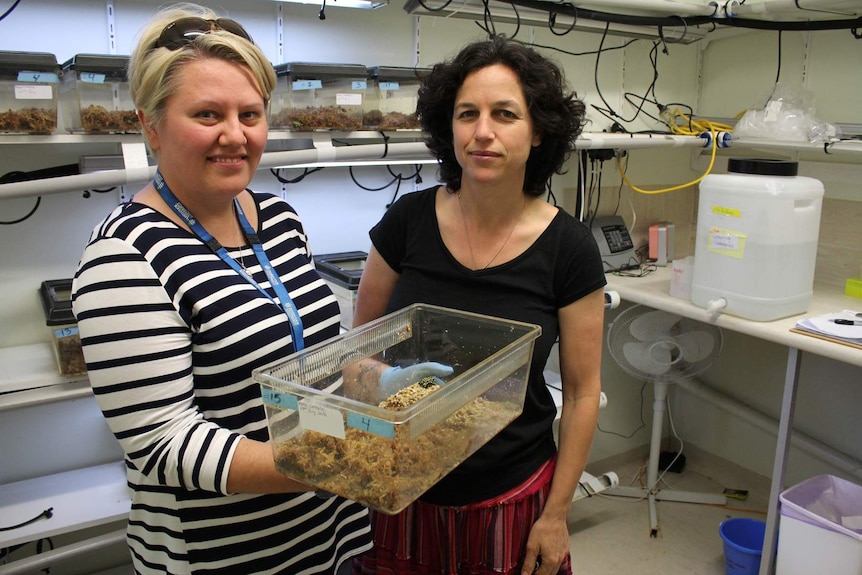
(501, 122)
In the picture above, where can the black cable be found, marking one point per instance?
(638, 428)
(426, 7)
(46, 514)
(589, 53)
(552, 20)
(9, 11)
(778, 71)
(305, 172)
(673, 21)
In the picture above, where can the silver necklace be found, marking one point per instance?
(500, 249)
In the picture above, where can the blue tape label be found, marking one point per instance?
(92, 78)
(44, 77)
(371, 425)
(306, 84)
(277, 399)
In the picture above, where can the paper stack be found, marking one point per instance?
(845, 326)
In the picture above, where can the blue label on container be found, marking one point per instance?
(371, 425)
(389, 86)
(46, 77)
(306, 84)
(360, 85)
(62, 332)
(92, 78)
(280, 400)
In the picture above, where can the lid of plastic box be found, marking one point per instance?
(345, 268)
(396, 73)
(56, 297)
(112, 65)
(313, 71)
(36, 61)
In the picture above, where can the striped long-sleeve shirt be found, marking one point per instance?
(171, 334)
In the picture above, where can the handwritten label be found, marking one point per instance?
(306, 85)
(727, 242)
(33, 92)
(389, 86)
(62, 332)
(92, 78)
(371, 425)
(43, 77)
(277, 399)
(348, 99)
(317, 417)
(359, 84)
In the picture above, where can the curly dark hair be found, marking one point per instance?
(558, 115)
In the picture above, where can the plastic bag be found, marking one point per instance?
(787, 116)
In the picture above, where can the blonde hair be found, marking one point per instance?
(153, 71)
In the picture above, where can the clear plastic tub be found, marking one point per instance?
(55, 296)
(330, 432)
(319, 97)
(392, 98)
(28, 92)
(94, 95)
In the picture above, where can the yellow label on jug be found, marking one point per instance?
(727, 242)
(725, 211)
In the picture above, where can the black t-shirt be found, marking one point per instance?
(562, 266)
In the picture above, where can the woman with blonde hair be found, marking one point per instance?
(186, 289)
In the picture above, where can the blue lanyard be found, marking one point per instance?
(274, 280)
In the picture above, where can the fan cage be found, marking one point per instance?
(619, 334)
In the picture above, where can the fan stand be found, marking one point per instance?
(652, 491)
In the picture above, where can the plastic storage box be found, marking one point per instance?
(820, 528)
(329, 431)
(94, 95)
(756, 243)
(342, 271)
(57, 304)
(28, 92)
(311, 97)
(392, 98)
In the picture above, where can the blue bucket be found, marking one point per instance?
(743, 545)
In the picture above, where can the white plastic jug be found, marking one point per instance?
(756, 242)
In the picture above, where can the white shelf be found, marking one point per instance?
(653, 290)
(31, 366)
(80, 499)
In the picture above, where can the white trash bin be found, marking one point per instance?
(820, 528)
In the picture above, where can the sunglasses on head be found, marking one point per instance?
(184, 31)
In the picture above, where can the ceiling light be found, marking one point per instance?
(367, 4)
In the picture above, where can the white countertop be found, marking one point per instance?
(653, 290)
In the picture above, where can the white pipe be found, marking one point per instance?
(810, 8)
(649, 7)
(605, 141)
(765, 423)
(324, 153)
(110, 178)
(55, 556)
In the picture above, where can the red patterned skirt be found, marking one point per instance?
(486, 538)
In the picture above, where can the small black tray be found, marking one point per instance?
(345, 268)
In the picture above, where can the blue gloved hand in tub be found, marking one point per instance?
(395, 378)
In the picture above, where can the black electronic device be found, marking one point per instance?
(615, 243)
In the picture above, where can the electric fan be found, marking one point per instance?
(662, 348)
